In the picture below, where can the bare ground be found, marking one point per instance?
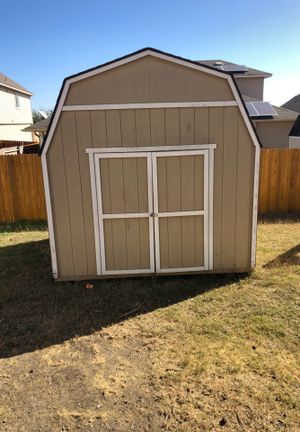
(200, 353)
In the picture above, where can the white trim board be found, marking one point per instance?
(178, 148)
(99, 107)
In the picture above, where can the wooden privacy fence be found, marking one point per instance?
(22, 191)
(279, 190)
(21, 188)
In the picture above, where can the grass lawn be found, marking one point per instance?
(199, 353)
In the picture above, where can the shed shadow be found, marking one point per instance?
(290, 257)
(36, 312)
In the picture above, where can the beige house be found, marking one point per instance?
(273, 124)
(151, 166)
(15, 112)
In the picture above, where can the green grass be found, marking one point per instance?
(199, 353)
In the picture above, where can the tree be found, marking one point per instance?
(36, 115)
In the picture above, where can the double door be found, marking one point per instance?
(153, 211)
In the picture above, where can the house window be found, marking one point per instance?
(17, 101)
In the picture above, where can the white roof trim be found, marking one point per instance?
(16, 89)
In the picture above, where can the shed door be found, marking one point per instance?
(125, 206)
(181, 210)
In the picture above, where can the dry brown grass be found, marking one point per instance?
(204, 353)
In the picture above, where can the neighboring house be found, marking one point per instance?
(293, 104)
(294, 134)
(273, 124)
(15, 113)
(39, 128)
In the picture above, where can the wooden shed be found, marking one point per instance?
(151, 166)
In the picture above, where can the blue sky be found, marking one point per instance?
(44, 41)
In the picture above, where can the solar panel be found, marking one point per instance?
(232, 68)
(261, 109)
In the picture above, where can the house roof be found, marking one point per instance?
(5, 81)
(39, 126)
(250, 72)
(283, 113)
(295, 131)
(293, 104)
(136, 53)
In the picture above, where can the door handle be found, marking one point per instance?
(153, 214)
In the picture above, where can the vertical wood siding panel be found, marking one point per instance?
(244, 197)
(199, 182)
(188, 241)
(187, 126)
(172, 126)
(116, 181)
(164, 242)
(75, 199)
(105, 185)
(108, 244)
(98, 125)
(130, 185)
(133, 244)
(141, 164)
(162, 184)
(229, 186)
(120, 250)
(128, 128)
(174, 183)
(59, 202)
(144, 243)
(199, 238)
(113, 128)
(216, 137)
(188, 187)
(201, 125)
(175, 242)
(143, 135)
(84, 140)
(157, 118)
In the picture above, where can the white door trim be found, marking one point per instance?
(206, 212)
(149, 148)
(100, 216)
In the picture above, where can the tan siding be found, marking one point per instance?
(60, 207)
(126, 244)
(157, 124)
(253, 87)
(70, 182)
(229, 186)
(75, 203)
(244, 198)
(187, 126)
(128, 128)
(216, 127)
(84, 140)
(143, 134)
(98, 125)
(172, 126)
(113, 128)
(149, 80)
(201, 125)
(274, 134)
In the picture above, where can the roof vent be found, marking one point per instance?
(218, 63)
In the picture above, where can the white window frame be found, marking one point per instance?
(17, 101)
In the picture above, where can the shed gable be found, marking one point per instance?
(149, 79)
